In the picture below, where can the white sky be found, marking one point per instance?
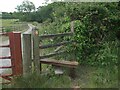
(10, 5)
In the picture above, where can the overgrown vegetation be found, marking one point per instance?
(87, 77)
(95, 47)
(95, 26)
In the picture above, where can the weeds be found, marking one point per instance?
(41, 81)
(87, 77)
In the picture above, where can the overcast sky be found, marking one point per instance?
(10, 5)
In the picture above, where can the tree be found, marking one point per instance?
(25, 10)
(19, 8)
(26, 6)
(45, 12)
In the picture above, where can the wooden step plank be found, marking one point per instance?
(59, 62)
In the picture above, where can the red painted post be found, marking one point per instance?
(16, 52)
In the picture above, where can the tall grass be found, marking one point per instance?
(87, 77)
(97, 77)
(41, 81)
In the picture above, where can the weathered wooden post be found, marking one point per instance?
(36, 59)
(118, 37)
(72, 70)
(119, 60)
(27, 56)
(72, 26)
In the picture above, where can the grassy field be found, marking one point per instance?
(14, 25)
(9, 25)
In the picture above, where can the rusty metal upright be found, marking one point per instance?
(16, 52)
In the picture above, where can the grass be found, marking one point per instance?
(87, 77)
(14, 25)
(8, 22)
(41, 81)
(97, 77)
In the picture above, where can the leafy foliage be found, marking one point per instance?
(95, 25)
(26, 6)
(6, 15)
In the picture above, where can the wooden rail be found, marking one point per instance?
(55, 35)
(52, 54)
(55, 45)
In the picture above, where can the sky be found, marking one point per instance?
(10, 5)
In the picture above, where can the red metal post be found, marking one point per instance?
(16, 52)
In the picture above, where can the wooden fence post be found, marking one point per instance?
(72, 70)
(72, 26)
(36, 59)
(118, 56)
(16, 52)
(27, 56)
